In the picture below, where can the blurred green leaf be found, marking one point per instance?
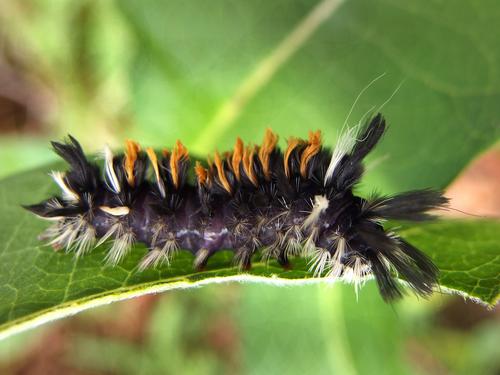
(23, 154)
(320, 329)
(195, 77)
(38, 284)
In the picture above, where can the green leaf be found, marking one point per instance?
(38, 284)
(467, 254)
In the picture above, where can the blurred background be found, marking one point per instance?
(106, 70)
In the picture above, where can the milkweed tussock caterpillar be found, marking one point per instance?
(295, 203)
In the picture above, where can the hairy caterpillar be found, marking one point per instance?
(299, 202)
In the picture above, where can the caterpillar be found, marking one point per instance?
(295, 203)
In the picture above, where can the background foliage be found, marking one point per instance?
(208, 72)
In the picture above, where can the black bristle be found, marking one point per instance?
(369, 138)
(421, 260)
(388, 287)
(411, 205)
(83, 175)
(403, 261)
(351, 167)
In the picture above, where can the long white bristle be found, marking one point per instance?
(320, 205)
(344, 146)
(154, 258)
(68, 194)
(110, 175)
(320, 262)
(336, 262)
(121, 247)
